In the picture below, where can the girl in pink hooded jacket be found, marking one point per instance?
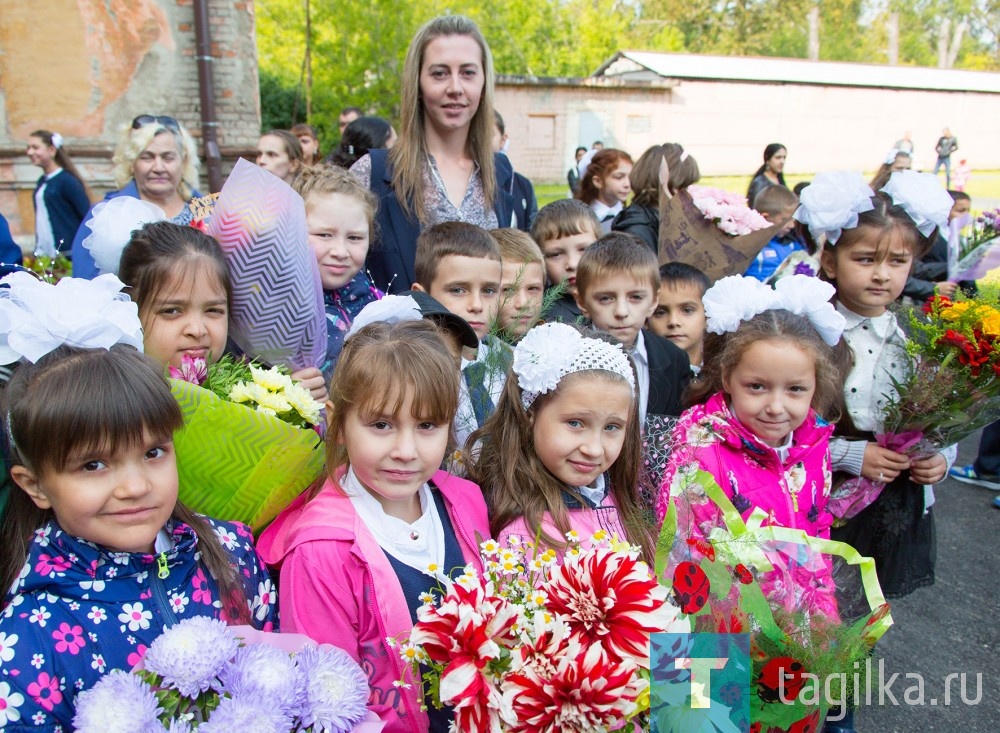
(768, 376)
(356, 553)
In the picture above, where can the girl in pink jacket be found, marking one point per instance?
(356, 553)
(562, 451)
(756, 426)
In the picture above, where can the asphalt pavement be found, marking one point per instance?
(949, 630)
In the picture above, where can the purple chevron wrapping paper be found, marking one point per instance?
(277, 313)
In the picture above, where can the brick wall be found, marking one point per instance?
(112, 61)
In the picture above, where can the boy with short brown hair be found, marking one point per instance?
(618, 283)
(459, 265)
(563, 230)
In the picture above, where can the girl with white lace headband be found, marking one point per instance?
(872, 241)
(562, 451)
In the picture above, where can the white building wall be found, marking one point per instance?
(726, 125)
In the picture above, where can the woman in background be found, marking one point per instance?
(61, 196)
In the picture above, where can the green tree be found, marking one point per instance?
(277, 100)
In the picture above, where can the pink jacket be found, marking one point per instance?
(584, 520)
(337, 586)
(794, 493)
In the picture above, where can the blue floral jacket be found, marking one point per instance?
(78, 611)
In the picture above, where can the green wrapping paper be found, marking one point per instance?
(237, 464)
(729, 566)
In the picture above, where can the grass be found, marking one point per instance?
(983, 187)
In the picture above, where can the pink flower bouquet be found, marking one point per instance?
(711, 229)
(729, 211)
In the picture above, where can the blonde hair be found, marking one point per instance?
(517, 246)
(409, 156)
(376, 369)
(133, 142)
(324, 179)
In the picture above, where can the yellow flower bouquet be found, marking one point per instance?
(248, 446)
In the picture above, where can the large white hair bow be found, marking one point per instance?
(36, 317)
(810, 297)
(832, 203)
(735, 299)
(111, 228)
(922, 197)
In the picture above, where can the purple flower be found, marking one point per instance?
(804, 268)
(190, 655)
(265, 673)
(336, 689)
(193, 369)
(245, 714)
(119, 703)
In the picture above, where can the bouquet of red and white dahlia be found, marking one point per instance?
(543, 645)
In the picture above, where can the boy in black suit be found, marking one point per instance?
(617, 286)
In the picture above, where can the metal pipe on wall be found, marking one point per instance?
(206, 91)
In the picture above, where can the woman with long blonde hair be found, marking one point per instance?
(443, 167)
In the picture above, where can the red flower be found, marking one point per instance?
(463, 634)
(587, 690)
(936, 302)
(610, 598)
(953, 338)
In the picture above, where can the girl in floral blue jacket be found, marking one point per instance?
(98, 554)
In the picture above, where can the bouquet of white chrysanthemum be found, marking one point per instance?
(203, 675)
(247, 447)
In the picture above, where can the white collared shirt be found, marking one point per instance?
(879, 347)
(594, 494)
(640, 358)
(419, 544)
(784, 449)
(603, 212)
(45, 241)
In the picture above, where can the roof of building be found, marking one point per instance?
(636, 65)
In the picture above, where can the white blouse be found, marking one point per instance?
(418, 545)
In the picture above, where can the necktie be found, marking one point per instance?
(482, 404)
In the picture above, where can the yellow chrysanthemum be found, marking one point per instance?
(246, 392)
(303, 403)
(991, 324)
(955, 311)
(271, 379)
(274, 402)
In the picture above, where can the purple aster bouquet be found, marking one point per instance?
(203, 675)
